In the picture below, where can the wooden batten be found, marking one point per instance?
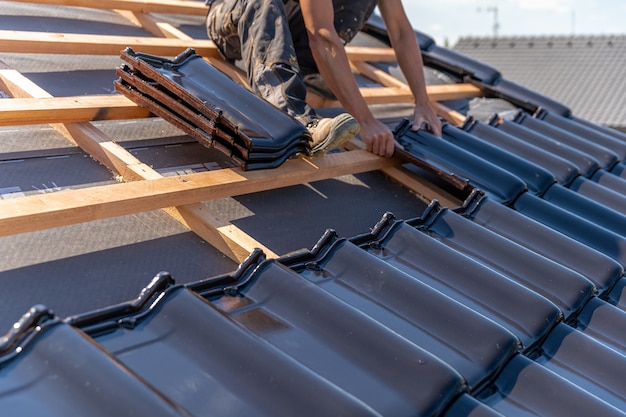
(449, 115)
(77, 44)
(184, 7)
(24, 111)
(370, 54)
(43, 211)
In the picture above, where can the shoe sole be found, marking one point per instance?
(348, 129)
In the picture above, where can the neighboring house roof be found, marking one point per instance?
(586, 73)
(510, 303)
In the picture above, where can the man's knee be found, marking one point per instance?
(222, 27)
(233, 24)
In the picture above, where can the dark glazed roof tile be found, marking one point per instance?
(563, 170)
(601, 194)
(496, 181)
(615, 142)
(579, 255)
(526, 314)
(583, 162)
(614, 180)
(604, 322)
(60, 372)
(600, 128)
(579, 228)
(414, 310)
(341, 344)
(587, 208)
(606, 157)
(375, 26)
(567, 289)
(566, 352)
(466, 406)
(618, 295)
(536, 178)
(526, 388)
(460, 65)
(619, 170)
(524, 97)
(203, 360)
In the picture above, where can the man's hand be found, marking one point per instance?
(425, 118)
(377, 137)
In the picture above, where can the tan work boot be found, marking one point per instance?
(330, 133)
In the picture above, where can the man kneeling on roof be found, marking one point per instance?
(282, 42)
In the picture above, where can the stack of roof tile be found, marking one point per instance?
(209, 106)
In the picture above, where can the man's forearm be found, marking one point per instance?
(409, 56)
(410, 61)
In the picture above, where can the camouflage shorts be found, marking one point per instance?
(270, 38)
(257, 32)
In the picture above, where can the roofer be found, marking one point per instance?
(282, 42)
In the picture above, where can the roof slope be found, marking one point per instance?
(584, 72)
(509, 303)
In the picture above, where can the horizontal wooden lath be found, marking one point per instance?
(78, 44)
(365, 53)
(26, 111)
(43, 211)
(184, 7)
(23, 111)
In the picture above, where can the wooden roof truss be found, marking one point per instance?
(141, 188)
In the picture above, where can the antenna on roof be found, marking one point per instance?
(496, 23)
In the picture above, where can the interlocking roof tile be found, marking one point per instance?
(40, 382)
(521, 311)
(497, 182)
(604, 322)
(607, 152)
(613, 139)
(585, 164)
(565, 353)
(577, 227)
(225, 369)
(536, 178)
(527, 388)
(414, 310)
(570, 291)
(577, 254)
(563, 170)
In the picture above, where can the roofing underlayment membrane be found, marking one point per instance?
(510, 304)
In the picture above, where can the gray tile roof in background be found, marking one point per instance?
(585, 73)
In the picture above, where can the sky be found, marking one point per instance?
(448, 20)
